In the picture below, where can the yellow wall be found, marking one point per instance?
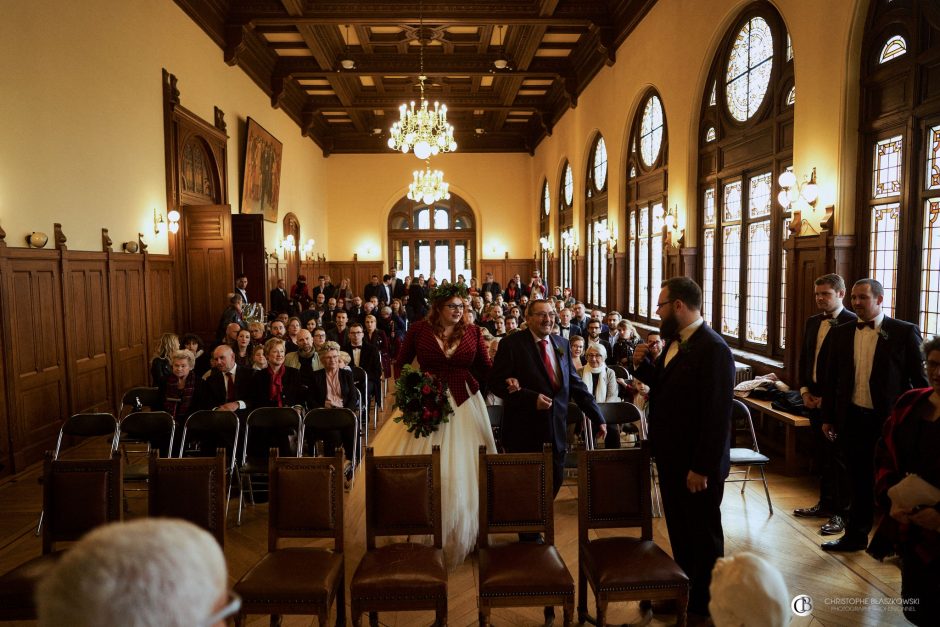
(82, 113)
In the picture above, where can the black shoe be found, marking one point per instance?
(532, 538)
(835, 526)
(816, 511)
(845, 544)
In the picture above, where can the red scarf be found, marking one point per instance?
(276, 389)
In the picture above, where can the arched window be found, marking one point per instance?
(898, 221)
(597, 230)
(545, 211)
(437, 240)
(745, 143)
(646, 202)
(566, 241)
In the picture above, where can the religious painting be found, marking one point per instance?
(262, 182)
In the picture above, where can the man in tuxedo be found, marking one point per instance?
(691, 389)
(870, 364)
(566, 327)
(279, 300)
(398, 286)
(533, 375)
(227, 387)
(385, 290)
(580, 316)
(829, 291)
(491, 286)
(241, 285)
(365, 356)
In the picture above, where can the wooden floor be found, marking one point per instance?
(838, 584)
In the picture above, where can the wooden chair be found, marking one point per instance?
(614, 492)
(496, 413)
(743, 458)
(403, 497)
(306, 502)
(77, 495)
(516, 497)
(192, 488)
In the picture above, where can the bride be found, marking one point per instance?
(454, 352)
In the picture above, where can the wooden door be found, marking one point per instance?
(248, 251)
(207, 251)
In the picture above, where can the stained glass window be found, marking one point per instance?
(759, 195)
(651, 130)
(758, 281)
(643, 264)
(783, 287)
(930, 276)
(893, 48)
(600, 164)
(708, 269)
(633, 278)
(749, 68)
(887, 170)
(732, 202)
(791, 96)
(883, 256)
(569, 185)
(546, 199)
(709, 207)
(710, 134)
(933, 158)
(730, 279)
(656, 260)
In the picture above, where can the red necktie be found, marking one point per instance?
(547, 361)
(230, 391)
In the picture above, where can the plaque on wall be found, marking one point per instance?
(262, 182)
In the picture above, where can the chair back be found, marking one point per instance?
(361, 379)
(575, 415)
(86, 426)
(495, 413)
(275, 418)
(155, 427)
(192, 488)
(620, 413)
(148, 397)
(77, 496)
(217, 428)
(403, 496)
(329, 418)
(614, 491)
(742, 426)
(516, 494)
(306, 498)
(620, 372)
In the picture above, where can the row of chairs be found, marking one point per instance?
(403, 498)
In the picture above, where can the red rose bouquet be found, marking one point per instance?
(422, 400)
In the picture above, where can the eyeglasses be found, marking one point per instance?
(664, 303)
(542, 314)
(932, 365)
(455, 307)
(231, 608)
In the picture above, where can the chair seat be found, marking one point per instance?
(137, 472)
(747, 456)
(629, 563)
(289, 574)
(18, 587)
(523, 569)
(400, 570)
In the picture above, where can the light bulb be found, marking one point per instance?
(173, 215)
(174, 227)
(428, 198)
(787, 179)
(784, 199)
(810, 193)
(422, 149)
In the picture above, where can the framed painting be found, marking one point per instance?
(262, 182)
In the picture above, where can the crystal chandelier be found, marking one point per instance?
(428, 186)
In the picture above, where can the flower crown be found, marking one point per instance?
(448, 291)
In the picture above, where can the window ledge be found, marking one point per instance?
(740, 355)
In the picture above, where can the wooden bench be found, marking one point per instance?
(791, 423)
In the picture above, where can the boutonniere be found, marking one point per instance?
(883, 333)
(684, 346)
(558, 351)
(833, 322)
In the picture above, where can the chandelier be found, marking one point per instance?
(428, 186)
(423, 131)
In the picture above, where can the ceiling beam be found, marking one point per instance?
(395, 65)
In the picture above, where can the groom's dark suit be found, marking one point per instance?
(690, 429)
(525, 428)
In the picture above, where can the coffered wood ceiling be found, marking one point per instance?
(293, 50)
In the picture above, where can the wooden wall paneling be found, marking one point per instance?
(6, 399)
(161, 298)
(208, 277)
(807, 259)
(248, 255)
(364, 272)
(689, 261)
(522, 267)
(617, 283)
(88, 332)
(129, 345)
(497, 267)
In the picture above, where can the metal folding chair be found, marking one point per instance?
(496, 422)
(746, 457)
(137, 398)
(280, 421)
(213, 429)
(361, 378)
(329, 419)
(152, 429)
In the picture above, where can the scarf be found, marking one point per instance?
(177, 401)
(275, 392)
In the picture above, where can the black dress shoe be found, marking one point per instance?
(845, 544)
(835, 526)
(816, 511)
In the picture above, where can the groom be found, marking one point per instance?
(532, 373)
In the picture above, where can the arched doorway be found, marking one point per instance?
(436, 240)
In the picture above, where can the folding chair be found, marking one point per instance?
(617, 414)
(747, 457)
(139, 397)
(496, 422)
(151, 428)
(278, 423)
(213, 429)
(361, 378)
(321, 420)
(577, 419)
(85, 426)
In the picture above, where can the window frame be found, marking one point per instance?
(565, 223)
(595, 212)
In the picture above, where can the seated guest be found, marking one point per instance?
(602, 382)
(258, 362)
(258, 333)
(279, 299)
(513, 292)
(160, 366)
(576, 345)
(377, 338)
(228, 386)
(193, 343)
(364, 356)
(333, 386)
(293, 328)
(339, 333)
(231, 334)
(311, 325)
(232, 313)
(626, 342)
(278, 330)
(655, 341)
(355, 310)
(124, 574)
(276, 386)
(179, 391)
(305, 358)
(511, 324)
(242, 348)
(593, 336)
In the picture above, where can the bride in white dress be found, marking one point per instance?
(456, 353)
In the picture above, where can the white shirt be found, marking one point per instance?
(684, 335)
(864, 350)
(356, 350)
(551, 355)
(824, 327)
(241, 404)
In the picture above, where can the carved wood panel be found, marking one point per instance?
(248, 255)
(364, 272)
(131, 350)
(208, 254)
(161, 299)
(88, 333)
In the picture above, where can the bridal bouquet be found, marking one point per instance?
(422, 400)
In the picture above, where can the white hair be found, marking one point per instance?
(748, 591)
(149, 572)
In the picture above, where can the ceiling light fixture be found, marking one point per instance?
(347, 62)
(423, 131)
(501, 62)
(428, 186)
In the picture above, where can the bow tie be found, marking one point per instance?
(827, 316)
(861, 325)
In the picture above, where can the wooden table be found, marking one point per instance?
(791, 422)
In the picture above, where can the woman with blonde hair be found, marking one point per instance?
(160, 365)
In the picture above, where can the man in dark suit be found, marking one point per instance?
(227, 387)
(323, 287)
(691, 389)
(566, 325)
(365, 356)
(398, 286)
(593, 336)
(241, 287)
(372, 288)
(871, 363)
(339, 333)
(491, 286)
(279, 299)
(232, 313)
(580, 316)
(829, 291)
(386, 290)
(532, 373)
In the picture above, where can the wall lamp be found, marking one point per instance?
(172, 223)
(791, 191)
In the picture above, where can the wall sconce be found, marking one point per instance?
(546, 244)
(308, 249)
(159, 224)
(671, 222)
(569, 242)
(605, 236)
(171, 224)
(791, 191)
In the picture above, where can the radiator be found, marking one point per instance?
(742, 372)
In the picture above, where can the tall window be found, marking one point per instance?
(744, 145)
(566, 227)
(544, 248)
(899, 213)
(437, 240)
(596, 228)
(646, 202)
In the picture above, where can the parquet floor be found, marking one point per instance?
(842, 587)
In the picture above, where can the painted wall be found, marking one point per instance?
(672, 50)
(82, 108)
